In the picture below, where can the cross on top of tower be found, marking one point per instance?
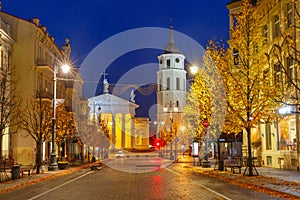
(171, 47)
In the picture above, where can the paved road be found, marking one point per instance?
(175, 182)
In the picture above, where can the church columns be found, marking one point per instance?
(123, 130)
(132, 132)
(113, 130)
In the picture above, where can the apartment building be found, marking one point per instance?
(279, 139)
(33, 52)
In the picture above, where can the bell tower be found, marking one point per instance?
(171, 90)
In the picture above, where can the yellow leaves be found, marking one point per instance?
(247, 88)
(65, 124)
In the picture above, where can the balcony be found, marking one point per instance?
(44, 95)
(44, 62)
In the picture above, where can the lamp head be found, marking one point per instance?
(194, 69)
(65, 68)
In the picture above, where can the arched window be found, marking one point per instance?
(168, 83)
(168, 63)
(177, 83)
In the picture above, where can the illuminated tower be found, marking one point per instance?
(171, 90)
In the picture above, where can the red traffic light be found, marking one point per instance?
(158, 143)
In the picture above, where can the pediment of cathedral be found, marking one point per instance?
(111, 104)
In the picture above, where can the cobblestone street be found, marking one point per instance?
(178, 181)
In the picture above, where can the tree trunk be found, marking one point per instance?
(38, 157)
(1, 137)
(249, 159)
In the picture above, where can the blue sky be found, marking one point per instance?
(90, 22)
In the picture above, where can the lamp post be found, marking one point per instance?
(171, 125)
(53, 163)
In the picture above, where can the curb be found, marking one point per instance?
(251, 186)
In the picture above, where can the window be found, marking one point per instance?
(289, 70)
(268, 136)
(177, 104)
(168, 83)
(160, 61)
(277, 74)
(276, 31)
(235, 56)
(265, 33)
(265, 74)
(40, 84)
(289, 15)
(168, 63)
(269, 160)
(177, 83)
(294, 162)
(234, 22)
(48, 85)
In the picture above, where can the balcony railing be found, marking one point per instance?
(44, 95)
(44, 62)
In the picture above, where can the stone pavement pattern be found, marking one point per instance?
(269, 179)
(274, 179)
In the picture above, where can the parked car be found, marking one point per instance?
(120, 154)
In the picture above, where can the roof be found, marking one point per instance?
(112, 104)
(171, 47)
(254, 2)
(233, 1)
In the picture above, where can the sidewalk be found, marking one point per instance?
(35, 178)
(278, 182)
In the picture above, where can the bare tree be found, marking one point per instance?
(36, 121)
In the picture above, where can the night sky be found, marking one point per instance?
(90, 22)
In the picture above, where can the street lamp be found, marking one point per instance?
(171, 124)
(53, 163)
(194, 69)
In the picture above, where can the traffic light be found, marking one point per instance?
(158, 143)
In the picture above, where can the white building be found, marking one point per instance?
(171, 90)
(125, 131)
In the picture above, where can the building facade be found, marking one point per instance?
(171, 92)
(5, 63)
(278, 141)
(34, 55)
(125, 130)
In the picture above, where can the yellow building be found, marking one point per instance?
(5, 61)
(125, 130)
(34, 54)
(278, 147)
